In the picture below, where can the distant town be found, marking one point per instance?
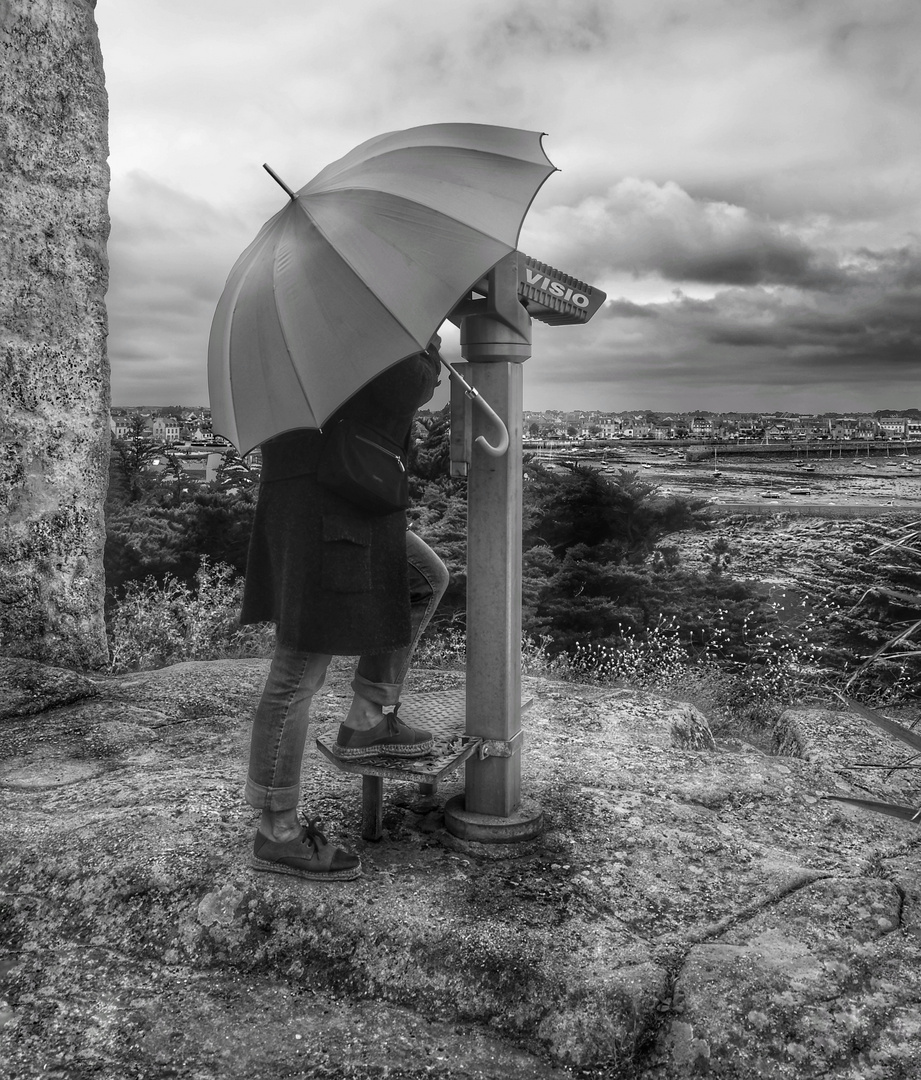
(187, 441)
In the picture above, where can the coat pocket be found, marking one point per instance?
(346, 555)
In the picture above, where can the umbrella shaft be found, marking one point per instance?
(278, 180)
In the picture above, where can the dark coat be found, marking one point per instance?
(332, 578)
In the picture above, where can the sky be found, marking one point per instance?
(741, 177)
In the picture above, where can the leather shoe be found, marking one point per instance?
(309, 855)
(390, 737)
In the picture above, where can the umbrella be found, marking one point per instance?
(361, 267)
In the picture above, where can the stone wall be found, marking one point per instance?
(54, 378)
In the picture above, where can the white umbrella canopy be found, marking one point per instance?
(360, 268)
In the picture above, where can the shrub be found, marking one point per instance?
(153, 623)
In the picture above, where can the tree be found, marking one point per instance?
(590, 596)
(128, 464)
(430, 450)
(595, 569)
(151, 538)
(233, 474)
(172, 478)
(587, 507)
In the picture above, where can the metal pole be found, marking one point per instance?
(493, 785)
(495, 340)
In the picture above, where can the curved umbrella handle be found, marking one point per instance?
(471, 391)
(502, 446)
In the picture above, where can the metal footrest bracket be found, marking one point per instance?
(443, 713)
(498, 748)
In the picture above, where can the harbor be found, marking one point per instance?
(844, 481)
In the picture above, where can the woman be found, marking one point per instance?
(336, 581)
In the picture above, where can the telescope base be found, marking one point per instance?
(524, 824)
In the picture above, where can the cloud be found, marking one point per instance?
(625, 309)
(855, 347)
(718, 94)
(647, 228)
(169, 255)
(740, 178)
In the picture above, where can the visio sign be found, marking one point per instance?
(554, 297)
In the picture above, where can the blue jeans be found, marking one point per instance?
(280, 725)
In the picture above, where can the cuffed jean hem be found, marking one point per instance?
(275, 799)
(380, 693)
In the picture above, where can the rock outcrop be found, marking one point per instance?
(54, 386)
(695, 908)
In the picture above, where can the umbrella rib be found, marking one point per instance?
(371, 290)
(284, 335)
(226, 346)
(243, 278)
(360, 190)
(408, 202)
(397, 151)
(417, 201)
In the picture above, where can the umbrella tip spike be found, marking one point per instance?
(278, 180)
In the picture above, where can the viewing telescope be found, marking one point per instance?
(551, 296)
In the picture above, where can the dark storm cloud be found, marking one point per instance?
(746, 336)
(761, 258)
(871, 318)
(855, 347)
(646, 228)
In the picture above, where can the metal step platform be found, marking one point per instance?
(443, 713)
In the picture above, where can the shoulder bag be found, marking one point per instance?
(365, 467)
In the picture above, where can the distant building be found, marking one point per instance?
(893, 427)
(862, 428)
(166, 429)
(195, 470)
